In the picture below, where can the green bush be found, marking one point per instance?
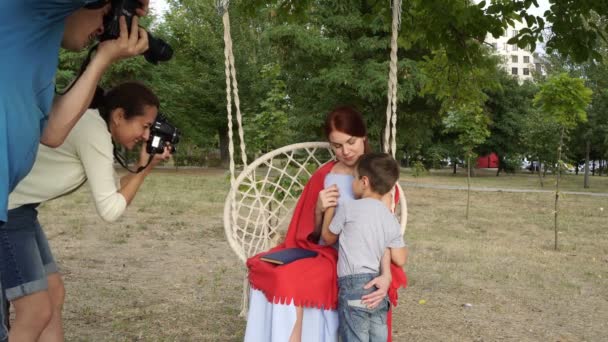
(418, 169)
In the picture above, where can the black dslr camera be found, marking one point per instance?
(158, 50)
(161, 133)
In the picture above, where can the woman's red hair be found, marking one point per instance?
(349, 121)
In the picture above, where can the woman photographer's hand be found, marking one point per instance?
(128, 44)
(158, 157)
(144, 157)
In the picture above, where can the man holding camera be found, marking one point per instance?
(31, 33)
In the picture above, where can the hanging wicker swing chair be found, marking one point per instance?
(262, 197)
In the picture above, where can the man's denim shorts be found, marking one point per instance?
(357, 322)
(25, 255)
(3, 315)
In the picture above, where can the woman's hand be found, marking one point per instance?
(328, 198)
(382, 282)
(166, 155)
(128, 44)
(144, 156)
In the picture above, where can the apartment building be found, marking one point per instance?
(518, 62)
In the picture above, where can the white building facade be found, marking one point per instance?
(518, 62)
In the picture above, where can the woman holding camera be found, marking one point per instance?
(29, 273)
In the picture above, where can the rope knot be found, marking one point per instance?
(222, 6)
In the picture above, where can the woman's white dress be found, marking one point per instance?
(268, 322)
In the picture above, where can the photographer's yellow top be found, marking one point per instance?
(86, 155)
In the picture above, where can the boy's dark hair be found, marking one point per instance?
(381, 169)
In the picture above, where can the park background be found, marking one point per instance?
(484, 264)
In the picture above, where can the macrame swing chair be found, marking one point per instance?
(261, 199)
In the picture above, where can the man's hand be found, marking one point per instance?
(143, 9)
(128, 44)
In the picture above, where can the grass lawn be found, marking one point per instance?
(520, 180)
(165, 272)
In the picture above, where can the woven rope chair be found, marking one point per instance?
(259, 206)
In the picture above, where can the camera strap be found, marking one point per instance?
(83, 67)
(122, 161)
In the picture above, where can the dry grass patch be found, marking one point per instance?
(165, 272)
(520, 180)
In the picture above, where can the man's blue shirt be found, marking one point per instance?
(30, 37)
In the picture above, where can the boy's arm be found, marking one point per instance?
(385, 264)
(399, 256)
(329, 237)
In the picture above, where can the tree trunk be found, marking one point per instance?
(500, 164)
(468, 186)
(587, 152)
(559, 169)
(540, 176)
(224, 154)
(593, 168)
(454, 164)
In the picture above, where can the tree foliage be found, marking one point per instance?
(296, 60)
(564, 100)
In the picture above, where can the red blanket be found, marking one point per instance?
(310, 282)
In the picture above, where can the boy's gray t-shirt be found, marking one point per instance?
(366, 228)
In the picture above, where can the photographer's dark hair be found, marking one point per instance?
(132, 97)
(381, 169)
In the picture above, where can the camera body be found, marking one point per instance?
(161, 133)
(158, 50)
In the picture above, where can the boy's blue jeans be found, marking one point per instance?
(357, 322)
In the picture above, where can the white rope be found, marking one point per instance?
(232, 87)
(231, 73)
(390, 131)
(222, 6)
(227, 47)
(245, 302)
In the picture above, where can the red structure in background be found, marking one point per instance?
(488, 161)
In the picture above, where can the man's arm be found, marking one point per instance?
(68, 109)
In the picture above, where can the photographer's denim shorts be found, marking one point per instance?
(25, 255)
(357, 322)
(3, 315)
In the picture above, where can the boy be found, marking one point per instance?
(366, 228)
